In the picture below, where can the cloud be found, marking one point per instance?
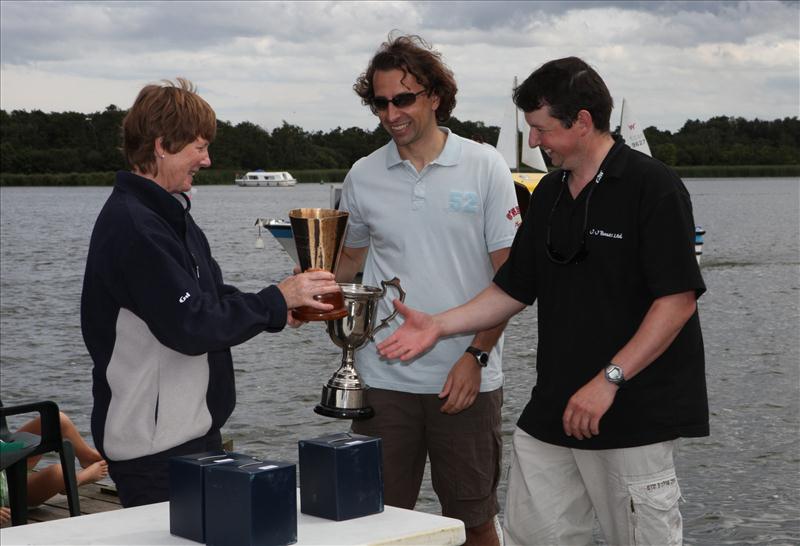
(267, 62)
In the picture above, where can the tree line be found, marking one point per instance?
(73, 142)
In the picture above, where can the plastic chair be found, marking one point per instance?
(15, 460)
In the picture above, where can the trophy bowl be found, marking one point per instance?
(344, 396)
(319, 236)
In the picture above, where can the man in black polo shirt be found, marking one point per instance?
(607, 248)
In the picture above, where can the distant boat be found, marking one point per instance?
(516, 151)
(632, 132)
(263, 179)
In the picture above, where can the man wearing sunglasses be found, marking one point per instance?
(439, 212)
(607, 249)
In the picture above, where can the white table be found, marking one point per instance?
(149, 525)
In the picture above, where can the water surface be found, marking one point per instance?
(740, 485)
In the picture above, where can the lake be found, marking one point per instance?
(740, 485)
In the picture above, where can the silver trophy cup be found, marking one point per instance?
(344, 396)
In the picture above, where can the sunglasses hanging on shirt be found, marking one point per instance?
(582, 251)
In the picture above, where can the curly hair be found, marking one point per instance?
(172, 111)
(567, 86)
(412, 55)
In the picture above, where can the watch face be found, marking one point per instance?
(481, 356)
(614, 374)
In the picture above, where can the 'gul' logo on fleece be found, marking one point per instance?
(183, 298)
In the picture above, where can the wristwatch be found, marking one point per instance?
(614, 374)
(481, 356)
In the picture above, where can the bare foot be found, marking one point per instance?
(93, 472)
(88, 457)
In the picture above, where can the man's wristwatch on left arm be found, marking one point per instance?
(481, 356)
(614, 374)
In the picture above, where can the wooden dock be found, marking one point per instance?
(94, 497)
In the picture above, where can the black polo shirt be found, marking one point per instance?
(639, 237)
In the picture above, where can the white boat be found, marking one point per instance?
(281, 229)
(515, 151)
(264, 179)
(632, 131)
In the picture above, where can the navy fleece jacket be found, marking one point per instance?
(159, 322)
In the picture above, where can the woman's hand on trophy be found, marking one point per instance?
(417, 334)
(299, 290)
(293, 322)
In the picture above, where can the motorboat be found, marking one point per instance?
(264, 179)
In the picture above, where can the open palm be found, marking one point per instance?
(417, 334)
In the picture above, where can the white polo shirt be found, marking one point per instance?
(433, 230)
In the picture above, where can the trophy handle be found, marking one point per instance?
(395, 282)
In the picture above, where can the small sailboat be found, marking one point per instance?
(632, 131)
(516, 151)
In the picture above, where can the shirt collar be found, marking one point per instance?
(448, 156)
(170, 206)
(616, 166)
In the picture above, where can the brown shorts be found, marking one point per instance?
(465, 451)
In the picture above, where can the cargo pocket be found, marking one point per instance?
(482, 465)
(655, 517)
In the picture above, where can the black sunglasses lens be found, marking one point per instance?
(404, 99)
(400, 101)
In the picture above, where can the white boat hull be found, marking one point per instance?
(281, 230)
(265, 184)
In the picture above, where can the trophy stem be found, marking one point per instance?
(344, 394)
(346, 376)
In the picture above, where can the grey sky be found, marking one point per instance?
(296, 61)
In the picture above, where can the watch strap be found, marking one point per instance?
(482, 357)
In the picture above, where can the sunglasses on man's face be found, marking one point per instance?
(402, 100)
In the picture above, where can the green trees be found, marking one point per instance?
(728, 141)
(64, 142)
(35, 142)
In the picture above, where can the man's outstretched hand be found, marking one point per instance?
(418, 333)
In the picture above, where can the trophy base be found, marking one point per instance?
(344, 403)
(308, 314)
(341, 413)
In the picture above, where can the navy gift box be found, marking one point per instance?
(253, 503)
(341, 476)
(187, 491)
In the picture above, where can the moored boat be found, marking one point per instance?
(282, 231)
(264, 179)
